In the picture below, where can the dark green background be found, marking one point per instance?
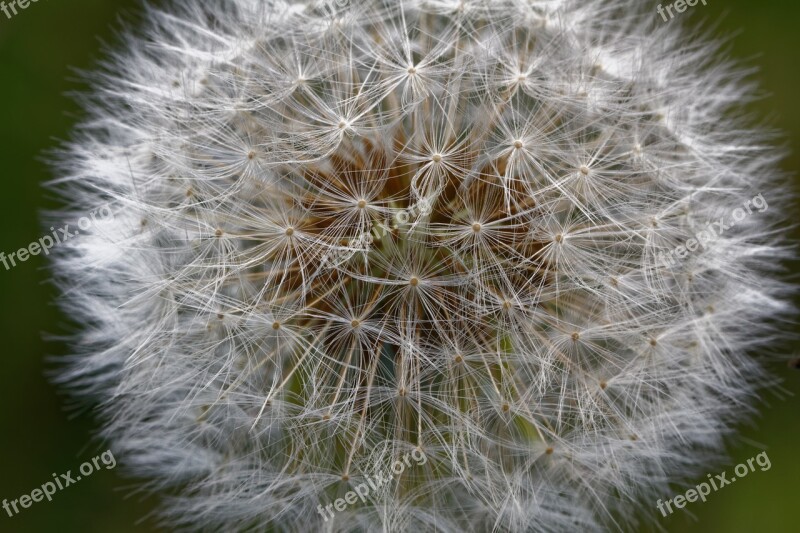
(39, 49)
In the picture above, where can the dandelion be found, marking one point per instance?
(519, 331)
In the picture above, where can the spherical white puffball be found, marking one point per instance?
(527, 248)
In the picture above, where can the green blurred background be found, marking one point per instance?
(39, 50)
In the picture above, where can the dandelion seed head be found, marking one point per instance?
(272, 316)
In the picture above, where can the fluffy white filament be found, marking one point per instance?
(522, 333)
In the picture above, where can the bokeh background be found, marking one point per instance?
(41, 49)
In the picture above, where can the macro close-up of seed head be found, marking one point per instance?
(534, 245)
